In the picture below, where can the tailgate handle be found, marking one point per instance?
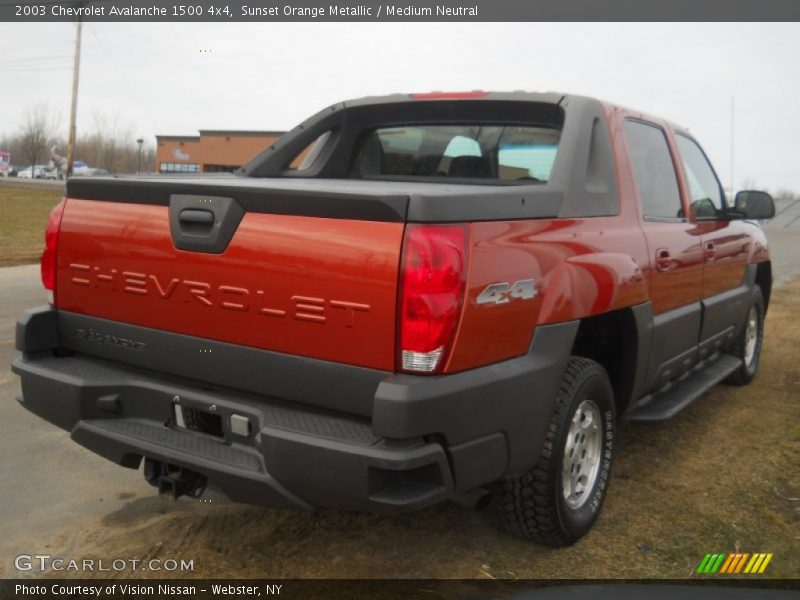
(201, 217)
(203, 223)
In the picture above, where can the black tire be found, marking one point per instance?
(745, 373)
(533, 505)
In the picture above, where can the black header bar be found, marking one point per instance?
(400, 11)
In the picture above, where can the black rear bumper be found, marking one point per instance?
(422, 440)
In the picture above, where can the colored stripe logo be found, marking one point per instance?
(734, 564)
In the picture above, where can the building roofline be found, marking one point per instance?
(218, 132)
(178, 138)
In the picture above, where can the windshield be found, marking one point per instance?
(509, 153)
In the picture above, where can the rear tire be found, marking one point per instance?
(747, 346)
(559, 499)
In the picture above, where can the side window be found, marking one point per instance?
(308, 156)
(706, 192)
(653, 171)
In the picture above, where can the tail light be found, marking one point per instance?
(431, 292)
(48, 264)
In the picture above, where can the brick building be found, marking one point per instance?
(211, 151)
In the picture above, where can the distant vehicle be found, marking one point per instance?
(79, 168)
(89, 172)
(34, 172)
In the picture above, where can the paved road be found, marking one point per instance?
(787, 214)
(48, 482)
(45, 479)
(785, 251)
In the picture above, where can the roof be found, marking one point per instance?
(476, 95)
(178, 138)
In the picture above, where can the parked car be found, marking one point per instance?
(452, 295)
(51, 173)
(33, 172)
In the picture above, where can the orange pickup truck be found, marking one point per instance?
(405, 299)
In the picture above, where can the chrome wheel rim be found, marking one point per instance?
(751, 336)
(582, 453)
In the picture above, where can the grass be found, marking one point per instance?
(23, 215)
(720, 477)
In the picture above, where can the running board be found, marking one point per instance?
(679, 394)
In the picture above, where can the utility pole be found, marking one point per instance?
(733, 191)
(73, 111)
(140, 141)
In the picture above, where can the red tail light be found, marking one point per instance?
(431, 292)
(48, 264)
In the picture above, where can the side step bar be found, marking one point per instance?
(665, 404)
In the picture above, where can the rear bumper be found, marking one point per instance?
(423, 440)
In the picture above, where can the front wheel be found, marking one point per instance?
(747, 346)
(559, 499)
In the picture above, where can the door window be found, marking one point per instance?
(707, 198)
(653, 171)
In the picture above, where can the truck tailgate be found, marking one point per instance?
(311, 286)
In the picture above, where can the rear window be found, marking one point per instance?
(507, 153)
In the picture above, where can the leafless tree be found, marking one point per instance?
(109, 144)
(37, 134)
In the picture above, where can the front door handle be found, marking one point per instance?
(711, 250)
(663, 261)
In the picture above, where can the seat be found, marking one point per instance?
(469, 166)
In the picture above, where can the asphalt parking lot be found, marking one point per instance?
(56, 497)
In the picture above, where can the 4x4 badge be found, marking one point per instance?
(502, 293)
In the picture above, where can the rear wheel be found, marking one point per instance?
(559, 499)
(747, 346)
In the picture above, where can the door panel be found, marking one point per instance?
(674, 344)
(675, 252)
(676, 265)
(725, 245)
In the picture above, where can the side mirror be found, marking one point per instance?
(751, 204)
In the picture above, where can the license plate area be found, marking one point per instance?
(199, 421)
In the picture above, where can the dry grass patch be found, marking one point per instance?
(23, 215)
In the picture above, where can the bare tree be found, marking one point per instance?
(110, 145)
(37, 134)
(785, 195)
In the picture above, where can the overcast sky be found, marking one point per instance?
(155, 78)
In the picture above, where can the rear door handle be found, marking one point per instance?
(711, 250)
(663, 262)
(192, 215)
